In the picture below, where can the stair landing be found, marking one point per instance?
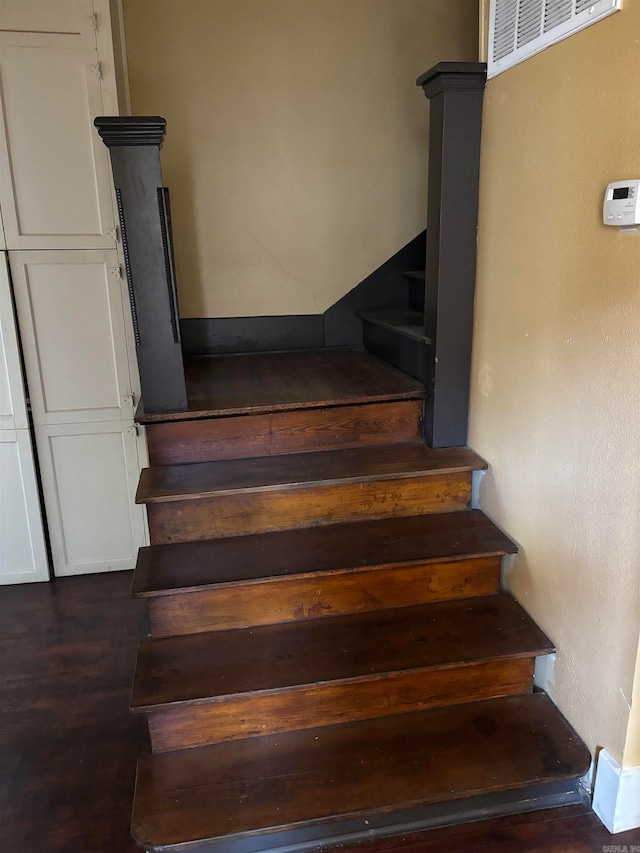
(220, 386)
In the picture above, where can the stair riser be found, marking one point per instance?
(250, 715)
(416, 295)
(285, 509)
(300, 431)
(294, 599)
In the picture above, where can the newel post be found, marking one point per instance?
(145, 223)
(455, 91)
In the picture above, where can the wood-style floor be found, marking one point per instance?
(68, 745)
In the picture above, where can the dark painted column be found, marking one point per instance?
(455, 90)
(145, 222)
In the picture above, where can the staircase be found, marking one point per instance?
(397, 335)
(331, 658)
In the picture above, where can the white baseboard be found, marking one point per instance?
(616, 794)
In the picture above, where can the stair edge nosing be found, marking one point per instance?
(370, 567)
(336, 682)
(175, 496)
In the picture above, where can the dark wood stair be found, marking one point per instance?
(257, 495)
(226, 685)
(324, 786)
(320, 571)
(331, 657)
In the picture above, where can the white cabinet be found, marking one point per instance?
(58, 71)
(55, 181)
(23, 554)
(71, 311)
(72, 321)
(89, 476)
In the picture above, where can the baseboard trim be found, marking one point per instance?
(219, 335)
(616, 794)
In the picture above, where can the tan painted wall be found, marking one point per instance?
(555, 405)
(296, 145)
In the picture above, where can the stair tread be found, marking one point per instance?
(222, 385)
(355, 464)
(165, 569)
(357, 646)
(319, 777)
(404, 321)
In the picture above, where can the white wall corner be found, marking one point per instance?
(544, 675)
(476, 480)
(616, 794)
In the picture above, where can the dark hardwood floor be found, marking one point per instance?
(68, 745)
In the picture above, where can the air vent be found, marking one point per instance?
(530, 22)
(521, 28)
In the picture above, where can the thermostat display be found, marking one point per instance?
(622, 203)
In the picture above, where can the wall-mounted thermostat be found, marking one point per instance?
(622, 203)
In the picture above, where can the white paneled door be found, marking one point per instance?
(89, 476)
(71, 308)
(55, 181)
(23, 554)
(72, 322)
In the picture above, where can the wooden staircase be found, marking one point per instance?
(331, 658)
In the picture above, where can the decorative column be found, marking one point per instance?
(145, 222)
(455, 90)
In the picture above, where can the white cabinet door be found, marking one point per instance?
(23, 554)
(13, 409)
(89, 476)
(72, 321)
(55, 179)
(71, 312)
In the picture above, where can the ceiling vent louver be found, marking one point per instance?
(520, 28)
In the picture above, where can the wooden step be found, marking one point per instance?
(238, 497)
(324, 571)
(207, 688)
(356, 780)
(220, 386)
(274, 433)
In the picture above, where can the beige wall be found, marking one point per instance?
(555, 403)
(296, 145)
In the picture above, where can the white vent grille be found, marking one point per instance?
(520, 28)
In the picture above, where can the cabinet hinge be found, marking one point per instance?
(93, 21)
(129, 400)
(116, 271)
(97, 70)
(113, 233)
(133, 430)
